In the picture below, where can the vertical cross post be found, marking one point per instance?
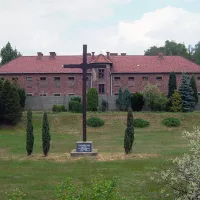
(84, 91)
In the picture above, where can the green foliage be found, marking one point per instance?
(1, 99)
(154, 99)
(12, 107)
(29, 134)
(45, 135)
(99, 188)
(22, 96)
(172, 84)
(92, 99)
(187, 94)
(58, 108)
(140, 123)
(123, 101)
(196, 54)
(16, 195)
(7, 54)
(75, 105)
(129, 133)
(176, 103)
(194, 87)
(183, 180)
(171, 122)
(104, 105)
(94, 122)
(137, 101)
(153, 51)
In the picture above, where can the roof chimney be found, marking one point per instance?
(52, 55)
(108, 54)
(88, 54)
(114, 54)
(93, 54)
(39, 55)
(123, 54)
(160, 55)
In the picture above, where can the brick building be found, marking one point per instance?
(45, 76)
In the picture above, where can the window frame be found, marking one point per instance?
(101, 73)
(41, 78)
(101, 88)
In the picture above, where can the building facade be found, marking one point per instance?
(45, 76)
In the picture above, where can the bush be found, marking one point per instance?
(137, 101)
(176, 104)
(104, 105)
(92, 99)
(171, 122)
(57, 108)
(140, 123)
(94, 122)
(182, 181)
(75, 105)
(154, 98)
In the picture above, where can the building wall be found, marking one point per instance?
(51, 87)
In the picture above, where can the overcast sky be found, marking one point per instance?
(129, 26)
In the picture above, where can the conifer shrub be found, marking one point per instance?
(22, 96)
(75, 105)
(94, 122)
(176, 103)
(92, 99)
(172, 84)
(29, 134)
(123, 101)
(129, 133)
(58, 108)
(137, 101)
(140, 123)
(46, 138)
(171, 122)
(104, 105)
(194, 87)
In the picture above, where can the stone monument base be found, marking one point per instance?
(84, 149)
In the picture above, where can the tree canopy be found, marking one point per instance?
(7, 54)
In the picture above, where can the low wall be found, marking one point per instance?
(47, 102)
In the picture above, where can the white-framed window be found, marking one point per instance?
(159, 78)
(29, 94)
(56, 78)
(43, 78)
(71, 78)
(145, 78)
(56, 94)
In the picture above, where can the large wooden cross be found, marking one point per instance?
(84, 66)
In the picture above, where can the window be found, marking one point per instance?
(71, 94)
(2, 78)
(101, 73)
(29, 78)
(43, 94)
(131, 78)
(71, 78)
(145, 78)
(116, 78)
(56, 78)
(57, 94)
(29, 94)
(43, 78)
(159, 78)
(101, 88)
(116, 94)
(15, 78)
(198, 77)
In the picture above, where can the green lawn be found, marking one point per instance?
(38, 176)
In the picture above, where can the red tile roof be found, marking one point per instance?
(121, 64)
(100, 59)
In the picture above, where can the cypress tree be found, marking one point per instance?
(187, 95)
(12, 111)
(129, 133)
(194, 87)
(119, 101)
(29, 134)
(172, 84)
(126, 100)
(22, 96)
(45, 135)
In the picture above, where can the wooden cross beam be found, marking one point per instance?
(84, 66)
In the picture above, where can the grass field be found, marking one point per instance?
(38, 176)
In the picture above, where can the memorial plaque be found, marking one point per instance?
(84, 146)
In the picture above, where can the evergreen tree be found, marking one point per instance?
(119, 100)
(172, 84)
(129, 133)
(29, 134)
(126, 100)
(22, 96)
(45, 135)
(12, 112)
(92, 99)
(4, 95)
(7, 54)
(187, 94)
(1, 99)
(194, 87)
(176, 104)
